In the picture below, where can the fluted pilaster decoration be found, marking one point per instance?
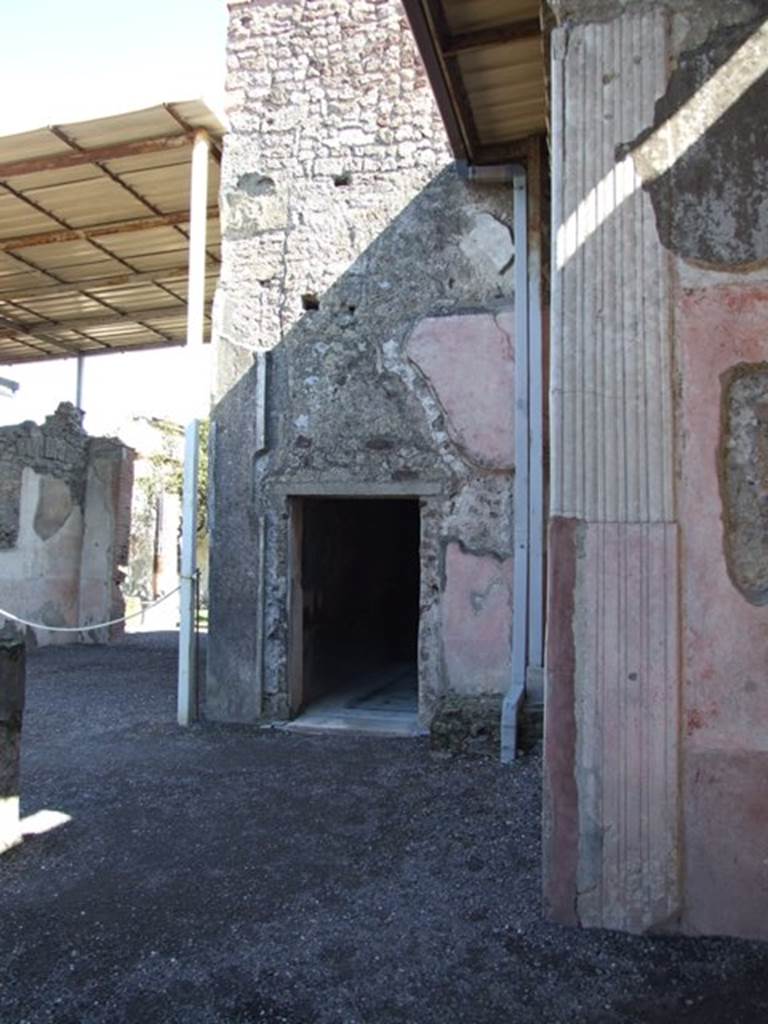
(612, 414)
(612, 464)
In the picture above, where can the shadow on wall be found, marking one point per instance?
(698, 163)
(703, 184)
(400, 373)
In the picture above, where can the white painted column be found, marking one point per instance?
(198, 406)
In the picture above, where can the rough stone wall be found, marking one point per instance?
(380, 284)
(57, 451)
(657, 717)
(64, 523)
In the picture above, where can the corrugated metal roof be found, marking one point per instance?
(486, 62)
(94, 232)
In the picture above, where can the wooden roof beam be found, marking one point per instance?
(214, 145)
(41, 355)
(480, 39)
(26, 344)
(135, 193)
(97, 320)
(18, 331)
(421, 26)
(99, 231)
(76, 158)
(91, 284)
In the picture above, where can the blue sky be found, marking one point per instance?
(69, 60)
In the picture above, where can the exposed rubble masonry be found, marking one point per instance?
(64, 523)
(380, 283)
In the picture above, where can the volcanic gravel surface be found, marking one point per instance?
(223, 874)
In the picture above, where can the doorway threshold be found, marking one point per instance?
(382, 703)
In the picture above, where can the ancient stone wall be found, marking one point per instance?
(658, 640)
(366, 292)
(64, 523)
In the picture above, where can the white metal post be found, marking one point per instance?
(187, 704)
(197, 390)
(79, 383)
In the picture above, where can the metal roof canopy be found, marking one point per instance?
(94, 233)
(486, 61)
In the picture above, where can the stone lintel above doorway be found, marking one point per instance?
(360, 489)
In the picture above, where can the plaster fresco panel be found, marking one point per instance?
(477, 621)
(726, 637)
(469, 363)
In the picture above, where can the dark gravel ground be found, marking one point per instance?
(235, 875)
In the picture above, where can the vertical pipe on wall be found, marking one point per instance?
(260, 446)
(514, 696)
(528, 538)
(536, 513)
(187, 675)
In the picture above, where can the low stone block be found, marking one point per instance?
(464, 724)
(12, 680)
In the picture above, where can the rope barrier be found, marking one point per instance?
(95, 625)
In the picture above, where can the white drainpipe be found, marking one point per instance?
(528, 538)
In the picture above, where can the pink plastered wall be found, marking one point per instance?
(477, 621)
(725, 638)
(469, 362)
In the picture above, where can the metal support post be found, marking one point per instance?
(187, 697)
(79, 384)
(198, 402)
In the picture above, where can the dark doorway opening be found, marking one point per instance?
(356, 605)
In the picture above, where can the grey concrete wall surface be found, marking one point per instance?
(64, 523)
(366, 291)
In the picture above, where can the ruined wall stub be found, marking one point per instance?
(658, 330)
(55, 451)
(64, 523)
(380, 283)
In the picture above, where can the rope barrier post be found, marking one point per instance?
(12, 684)
(187, 696)
(197, 642)
(88, 626)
